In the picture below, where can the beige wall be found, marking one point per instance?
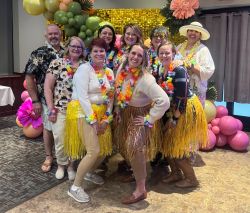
(29, 30)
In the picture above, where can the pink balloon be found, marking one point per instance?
(221, 140)
(25, 95)
(240, 124)
(209, 126)
(221, 111)
(239, 141)
(211, 141)
(25, 84)
(228, 125)
(216, 130)
(215, 122)
(118, 41)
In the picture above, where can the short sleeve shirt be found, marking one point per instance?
(38, 65)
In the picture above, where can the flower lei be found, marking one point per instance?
(107, 96)
(189, 58)
(146, 122)
(166, 82)
(110, 57)
(71, 70)
(124, 98)
(154, 61)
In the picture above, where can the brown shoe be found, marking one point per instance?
(173, 177)
(132, 199)
(187, 183)
(128, 178)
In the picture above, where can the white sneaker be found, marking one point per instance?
(94, 178)
(59, 173)
(79, 195)
(71, 174)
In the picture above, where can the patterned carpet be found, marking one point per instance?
(20, 158)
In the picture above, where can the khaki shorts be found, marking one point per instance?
(46, 123)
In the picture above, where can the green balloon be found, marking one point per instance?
(80, 20)
(63, 20)
(58, 14)
(70, 31)
(70, 15)
(82, 35)
(83, 28)
(75, 8)
(52, 5)
(89, 32)
(88, 41)
(93, 22)
(72, 22)
(96, 34)
(48, 15)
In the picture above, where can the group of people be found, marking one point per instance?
(152, 96)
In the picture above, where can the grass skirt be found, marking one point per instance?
(129, 138)
(75, 122)
(189, 134)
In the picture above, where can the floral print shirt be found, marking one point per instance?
(63, 85)
(38, 65)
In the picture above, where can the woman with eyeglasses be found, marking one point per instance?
(88, 133)
(131, 34)
(158, 36)
(58, 91)
(107, 33)
(140, 102)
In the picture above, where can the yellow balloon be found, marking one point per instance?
(210, 110)
(34, 7)
(147, 42)
(52, 5)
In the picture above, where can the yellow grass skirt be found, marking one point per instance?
(129, 138)
(189, 134)
(75, 122)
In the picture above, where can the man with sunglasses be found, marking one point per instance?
(35, 71)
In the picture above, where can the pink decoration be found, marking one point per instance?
(25, 84)
(221, 140)
(26, 116)
(25, 95)
(215, 130)
(209, 126)
(211, 141)
(184, 9)
(239, 141)
(240, 124)
(215, 122)
(221, 111)
(118, 41)
(228, 125)
(31, 132)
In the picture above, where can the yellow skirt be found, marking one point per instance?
(189, 134)
(129, 138)
(73, 141)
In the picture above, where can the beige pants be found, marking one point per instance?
(92, 159)
(58, 134)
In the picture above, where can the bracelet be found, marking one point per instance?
(35, 101)
(146, 122)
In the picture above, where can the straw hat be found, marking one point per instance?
(205, 35)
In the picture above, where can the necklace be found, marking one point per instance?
(100, 73)
(123, 98)
(70, 68)
(154, 61)
(166, 79)
(189, 57)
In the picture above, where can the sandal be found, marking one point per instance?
(46, 166)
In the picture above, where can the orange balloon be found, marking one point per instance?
(18, 122)
(63, 7)
(66, 1)
(31, 132)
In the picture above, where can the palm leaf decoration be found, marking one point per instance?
(212, 93)
(87, 5)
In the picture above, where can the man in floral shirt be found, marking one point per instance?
(35, 71)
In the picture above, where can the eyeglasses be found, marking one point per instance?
(76, 47)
